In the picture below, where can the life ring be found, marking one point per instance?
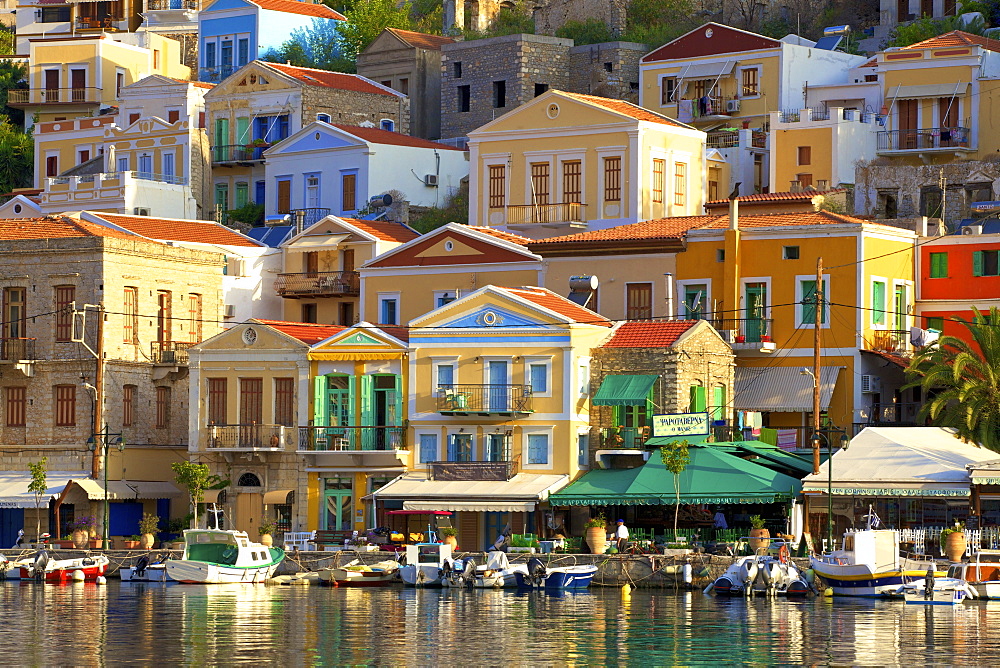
(783, 554)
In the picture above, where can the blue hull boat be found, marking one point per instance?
(563, 577)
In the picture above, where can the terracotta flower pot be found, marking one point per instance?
(130, 544)
(955, 546)
(146, 541)
(80, 538)
(760, 538)
(266, 540)
(453, 541)
(597, 539)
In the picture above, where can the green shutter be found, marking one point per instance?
(808, 302)
(352, 385)
(698, 399)
(242, 130)
(935, 323)
(939, 265)
(367, 400)
(221, 131)
(718, 402)
(399, 402)
(321, 406)
(977, 263)
(878, 302)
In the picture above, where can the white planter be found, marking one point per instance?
(529, 550)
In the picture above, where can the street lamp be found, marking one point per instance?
(845, 441)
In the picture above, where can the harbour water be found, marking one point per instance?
(144, 624)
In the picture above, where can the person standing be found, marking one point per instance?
(621, 536)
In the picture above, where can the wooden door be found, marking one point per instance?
(284, 196)
(348, 255)
(947, 120)
(909, 111)
(468, 531)
(249, 508)
(312, 263)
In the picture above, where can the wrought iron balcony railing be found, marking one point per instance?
(484, 399)
(530, 214)
(307, 217)
(238, 153)
(170, 352)
(924, 139)
(248, 436)
(889, 340)
(156, 5)
(745, 330)
(17, 350)
(624, 437)
(20, 98)
(325, 439)
(502, 470)
(318, 283)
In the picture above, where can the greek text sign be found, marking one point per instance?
(681, 424)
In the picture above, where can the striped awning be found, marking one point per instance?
(782, 389)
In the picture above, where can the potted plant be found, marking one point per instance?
(65, 543)
(265, 530)
(131, 542)
(597, 534)
(81, 530)
(953, 541)
(148, 525)
(449, 536)
(758, 532)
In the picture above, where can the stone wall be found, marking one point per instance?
(607, 70)
(521, 62)
(422, 70)
(553, 14)
(355, 108)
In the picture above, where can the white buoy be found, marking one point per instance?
(78, 576)
(688, 572)
(101, 580)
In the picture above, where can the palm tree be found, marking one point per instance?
(962, 381)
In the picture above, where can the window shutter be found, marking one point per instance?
(367, 400)
(698, 402)
(718, 402)
(878, 302)
(398, 417)
(977, 263)
(321, 405)
(808, 302)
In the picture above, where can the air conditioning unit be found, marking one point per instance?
(431, 180)
(230, 311)
(732, 106)
(870, 384)
(140, 211)
(728, 335)
(972, 229)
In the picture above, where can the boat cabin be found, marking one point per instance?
(429, 554)
(231, 548)
(879, 549)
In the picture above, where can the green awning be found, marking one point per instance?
(773, 456)
(660, 441)
(624, 391)
(712, 476)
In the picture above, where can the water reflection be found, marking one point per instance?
(87, 625)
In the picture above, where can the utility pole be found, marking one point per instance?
(817, 320)
(98, 430)
(943, 184)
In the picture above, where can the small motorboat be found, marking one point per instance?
(223, 556)
(498, 572)
(762, 574)
(425, 564)
(936, 591)
(144, 571)
(540, 576)
(356, 574)
(982, 572)
(44, 568)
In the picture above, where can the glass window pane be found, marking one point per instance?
(428, 448)
(539, 378)
(538, 448)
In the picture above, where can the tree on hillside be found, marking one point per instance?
(13, 76)
(17, 150)
(656, 22)
(962, 381)
(319, 46)
(366, 20)
(927, 27)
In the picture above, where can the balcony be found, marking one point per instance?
(890, 414)
(746, 333)
(506, 400)
(624, 438)
(474, 471)
(103, 24)
(889, 341)
(304, 218)
(340, 439)
(736, 138)
(173, 353)
(319, 284)
(17, 350)
(238, 154)
(569, 214)
(248, 437)
(215, 74)
(930, 140)
(160, 5)
(36, 96)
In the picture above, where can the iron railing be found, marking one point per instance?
(249, 436)
(922, 140)
(325, 439)
(17, 350)
(624, 437)
(723, 139)
(307, 217)
(154, 5)
(889, 340)
(484, 399)
(54, 96)
(94, 23)
(318, 283)
(502, 470)
(565, 212)
(745, 330)
(893, 413)
(215, 74)
(238, 153)
(170, 352)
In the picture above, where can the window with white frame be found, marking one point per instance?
(539, 449)
(538, 375)
(388, 308)
(750, 82)
(460, 447)
(428, 448)
(806, 298)
(444, 376)
(582, 449)
(583, 377)
(442, 297)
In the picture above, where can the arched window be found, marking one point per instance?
(249, 480)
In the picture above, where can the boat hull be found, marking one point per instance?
(157, 573)
(203, 572)
(62, 570)
(989, 590)
(340, 577)
(859, 580)
(420, 575)
(936, 597)
(571, 577)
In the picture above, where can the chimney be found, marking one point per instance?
(734, 207)
(668, 283)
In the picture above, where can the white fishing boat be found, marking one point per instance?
(145, 571)
(869, 564)
(425, 564)
(982, 572)
(762, 574)
(496, 573)
(936, 591)
(42, 567)
(540, 576)
(223, 556)
(356, 574)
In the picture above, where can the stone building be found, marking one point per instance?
(610, 69)
(657, 367)
(409, 62)
(158, 300)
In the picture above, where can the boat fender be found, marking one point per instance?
(709, 589)
(810, 575)
(101, 580)
(688, 573)
(78, 576)
(828, 592)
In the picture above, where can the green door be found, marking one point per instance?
(899, 320)
(338, 503)
(756, 301)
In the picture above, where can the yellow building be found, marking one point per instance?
(320, 281)
(69, 77)
(753, 275)
(499, 408)
(569, 162)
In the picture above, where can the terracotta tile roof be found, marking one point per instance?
(325, 79)
(379, 136)
(625, 108)
(649, 333)
(956, 38)
(785, 220)
(503, 236)
(57, 227)
(196, 84)
(306, 332)
(175, 229)
(384, 230)
(661, 228)
(421, 40)
(401, 333)
(550, 300)
(871, 63)
(304, 8)
(803, 195)
(890, 357)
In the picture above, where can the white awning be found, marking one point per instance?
(782, 389)
(707, 70)
(316, 243)
(120, 490)
(277, 497)
(14, 487)
(932, 90)
(519, 494)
